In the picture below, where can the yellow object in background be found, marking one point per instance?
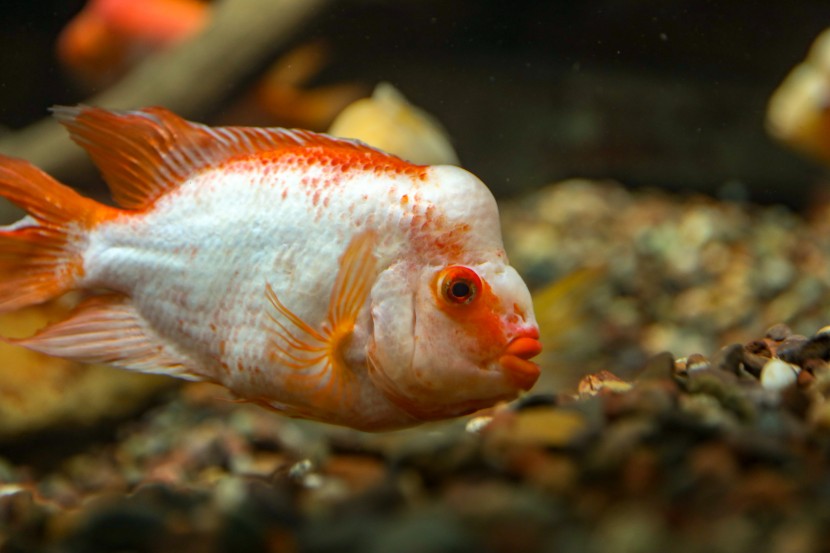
(38, 391)
(798, 113)
(389, 122)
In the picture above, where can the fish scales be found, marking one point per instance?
(157, 257)
(315, 276)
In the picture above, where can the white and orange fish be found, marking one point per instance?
(313, 275)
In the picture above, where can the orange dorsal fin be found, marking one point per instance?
(144, 153)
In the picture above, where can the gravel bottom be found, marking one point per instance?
(702, 424)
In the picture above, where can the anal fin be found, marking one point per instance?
(108, 329)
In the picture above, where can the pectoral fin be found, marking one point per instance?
(316, 354)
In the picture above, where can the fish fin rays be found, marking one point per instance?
(107, 329)
(357, 272)
(145, 153)
(37, 265)
(40, 254)
(141, 154)
(312, 352)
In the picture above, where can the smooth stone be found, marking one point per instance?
(778, 374)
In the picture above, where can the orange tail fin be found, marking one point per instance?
(40, 255)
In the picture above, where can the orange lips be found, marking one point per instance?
(515, 361)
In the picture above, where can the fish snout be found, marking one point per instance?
(515, 359)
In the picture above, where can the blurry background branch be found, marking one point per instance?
(191, 79)
(650, 93)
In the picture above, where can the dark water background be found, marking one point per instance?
(666, 93)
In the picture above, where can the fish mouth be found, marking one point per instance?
(515, 360)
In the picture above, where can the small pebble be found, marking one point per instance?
(477, 424)
(758, 347)
(680, 370)
(696, 362)
(805, 378)
(778, 332)
(300, 469)
(603, 381)
(777, 375)
(817, 347)
(729, 358)
(754, 363)
(791, 348)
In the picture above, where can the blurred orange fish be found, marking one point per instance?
(108, 36)
(313, 275)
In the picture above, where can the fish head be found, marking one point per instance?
(451, 339)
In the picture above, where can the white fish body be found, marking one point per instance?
(300, 271)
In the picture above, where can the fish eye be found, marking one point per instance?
(459, 285)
